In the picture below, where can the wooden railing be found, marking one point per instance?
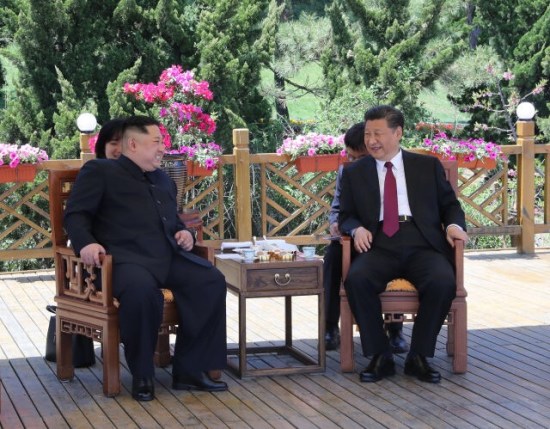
(264, 195)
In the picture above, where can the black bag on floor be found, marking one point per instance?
(83, 347)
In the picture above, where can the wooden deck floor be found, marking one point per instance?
(507, 385)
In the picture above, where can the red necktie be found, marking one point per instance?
(391, 213)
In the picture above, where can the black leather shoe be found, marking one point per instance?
(143, 389)
(332, 338)
(419, 367)
(199, 381)
(379, 367)
(398, 343)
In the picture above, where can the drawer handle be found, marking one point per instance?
(278, 276)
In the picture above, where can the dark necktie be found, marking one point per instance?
(391, 213)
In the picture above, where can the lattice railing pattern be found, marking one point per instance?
(292, 203)
(485, 197)
(25, 220)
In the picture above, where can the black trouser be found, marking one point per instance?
(407, 255)
(332, 275)
(199, 294)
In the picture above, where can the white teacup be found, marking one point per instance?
(309, 252)
(249, 255)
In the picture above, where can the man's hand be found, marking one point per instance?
(362, 239)
(455, 232)
(90, 254)
(184, 239)
(334, 230)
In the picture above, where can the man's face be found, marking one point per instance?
(354, 154)
(382, 141)
(146, 150)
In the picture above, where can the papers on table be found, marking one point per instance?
(281, 245)
(275, 244)
(231, 245)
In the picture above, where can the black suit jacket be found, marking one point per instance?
(133, 216)
(432, 200)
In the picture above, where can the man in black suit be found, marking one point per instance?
(354, 141)
(400, 230)
(127, 207)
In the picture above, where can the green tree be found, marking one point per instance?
(235, 39)
(509, 64)
(89, 52)
(383, 47)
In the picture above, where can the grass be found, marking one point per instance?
(436, 102)
(305, 106)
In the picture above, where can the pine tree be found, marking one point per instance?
(236, 37)
(91, 43)
(387, 50)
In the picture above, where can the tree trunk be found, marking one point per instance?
(476, 31)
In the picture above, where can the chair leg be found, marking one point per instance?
(451, 335)
(215, 374)
(346, 336)
(460, 335)
(64, 353)
(162, 352)
(111, 361)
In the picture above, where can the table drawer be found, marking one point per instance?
(283, 278)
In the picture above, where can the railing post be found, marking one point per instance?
(85, 153)
(526, 186)
(243, 210)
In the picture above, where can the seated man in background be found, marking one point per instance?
(127, 207)
(403, 216)
(354, 140)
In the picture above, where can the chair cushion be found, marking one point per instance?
(167, 294)
(400, 285)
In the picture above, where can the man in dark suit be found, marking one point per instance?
(127, 207)
(354, 141)
(403, 215)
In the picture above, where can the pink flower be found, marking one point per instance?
(507, 75)
(92, 142)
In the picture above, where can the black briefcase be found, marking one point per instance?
(83, 347)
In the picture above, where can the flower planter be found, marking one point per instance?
(307, 164)
(195, 169)
(26, 172)
(487, 163)
(21, 173)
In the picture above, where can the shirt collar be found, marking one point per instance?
(397, 162)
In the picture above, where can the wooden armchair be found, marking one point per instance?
(84, 307)
(400, 301)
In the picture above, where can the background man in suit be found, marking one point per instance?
(127, 207)
(403, 215)
(354, 141)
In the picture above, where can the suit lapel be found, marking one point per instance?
(411, 179)
(370, 209)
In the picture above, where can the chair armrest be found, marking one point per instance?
(72, 283)
(346, 243)
(204, 251)
(459, 267)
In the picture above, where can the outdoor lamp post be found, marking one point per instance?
(525, 129)
(86, 124)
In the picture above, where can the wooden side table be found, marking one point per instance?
(275, 279)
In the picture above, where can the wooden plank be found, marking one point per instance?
(507, 383)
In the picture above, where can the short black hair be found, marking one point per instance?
(139, 122)
(110, 130)
(355, 137)
(392, 115)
